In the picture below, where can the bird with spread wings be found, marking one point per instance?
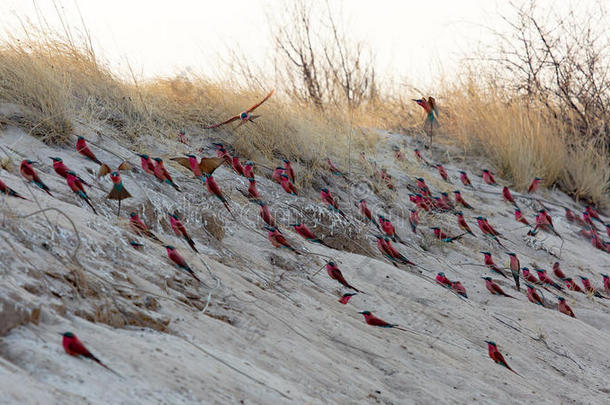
(244, 116)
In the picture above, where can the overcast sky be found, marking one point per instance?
(412, 39)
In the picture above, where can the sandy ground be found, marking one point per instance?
(273, 332)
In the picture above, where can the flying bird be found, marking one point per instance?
(206, 165)
(244, 116)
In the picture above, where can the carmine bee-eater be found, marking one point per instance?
(588, 221)
(277, 174)
(534, 185)
(528, 276)
(386, 178)
(333, 169)
(572, 286)
(445, 198)
(606, 283)
(459, 289)
(221, 152)
(252, 190)
(442, 279)
(564, 308)
(214, 189)
(423, 187)
(395, 254)
(593, 213)
(488, 229)
(442, 172)
(544, 222)
(570, 217)
(330, 201)
(74, 347)
(307, 233)
(180, 230)
(147, 164)
(366, 212)
(243, 116)
(494, 288)
(249, 170)
(488, 177)
(177, 258)
(440, 204)
(462, 223)
(105, 169)
(557, 271)
(289, 170)
(589, 288)
(9, 191)
(333, 271)
(60, 168)
(83, 149)
(515, 266)
(278, 240)
(496, 356)
(489, 262)
(397, 153)
(460, 200)
(374, 321)
(265, 214)
(533, 296)
(384, 250)
(388, 228)
(442, 236)
(118, 192)
(520, 218)
(237, 166)
(465, 179)
(608, 229)
(27, 171)
(346, 297)
(77, 187)
(200, 168)
(163, 175)
(413, 220)
(546, 280)
(182, 137)
(507, 196)
(287, 185)
(140, 228)
(135, 245)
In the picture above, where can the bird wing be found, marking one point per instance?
(104, 170)
(208, 165)
(124, 166)
(183, 161)
(235, 117)
(255, 106)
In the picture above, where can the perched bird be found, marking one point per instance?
(9, 191)
(590, 209)
(515, 266)
(237, 166)
(147, 164)
(265, 214)
(333, 271)
(182, 137)
(177, 258)
(118, 192)
(249, 170)
(494, 288)
(440, 204)
(589, 288)
(413, 220)
(74, 347)
(445, 198)
(489, 262)
(606, 283)
(520, 218)
(330, 201)
(388, 228)
(252, 190)
(245, 116)
(564, 308)
(306, 233)
(571, 217)
(608, 229)
(488, 177)
(396, 256)
(442, 172)
(346, 297)
(460, 200)
(418, 155)
(334, 170)
(423, 187)
(214, 189)
(443, 237)
(163, 175)
(397, 153)
(544, 222)
(366, 212)
(105, 169)
(459, 289)
(442, 279)
(572, 286)
(27, 171)
(546, 280)
(508, 196)
(289, 170)
(462, 223)
(287, 185)
(557, 271)
(464, 178)
(386, 178)
(139, 227)
(488, 230)
(221, 152)
(278, 240)
(496, 356)
(60, 168)
(374, 321)
(533, 296)
(135, 245)
(83, 149)
(528, 276)
(77, 187)
(205, 166)
(277, 174)
(534, 185)
(180, 230)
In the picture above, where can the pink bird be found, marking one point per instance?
(333, 271)
(366, 212)
(386, 178)
(460, 200)
(534, 185)
(564, 308)
(508, 196)
(459, 289)
(533, 296)
(180, 230)
(334, 170)
(252, 190)
(289, 171)
(249, 170)
(27, 171)
(520, 218)
(529, 277)
(544, 222)
(395, 254)
(118, 192)
(413, 220)
(277, 174)
(606, 283)
(287, 185)
(77, 187)
(74, 347)
(221, 152)
(423, 187)
(278, 240)
(442, 279)
(244, 116)
(464, 178)
(445, 199)
(589, 288)
(546, 280)
(572, 286)
(388, 228)
(328, 199)
(83, 149)
(418, 155)
(60, 168)
(307, 233)
(147, 164)
(494, 288)
(488, 177)
(163, 175)
(443, 237)
(557, 271)
(442, 172)
(372, 320)
(515, 266)
(265, 214)
(608, 229)
(462, 223)
(593, 213)
(496, 356)
(489, 262)
(346, 297)
(397, 153)
(182, 137)
(139, 227)
(237, 166)
(177, 258)
(214, 189)
(9, 191)
(440, 204)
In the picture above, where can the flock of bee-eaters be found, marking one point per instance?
(421, 196)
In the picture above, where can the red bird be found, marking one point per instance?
(9, 191)
(386, 178)
(289, 171)
(442, 279)
(180, 230)
(544, 222)
(460, 200)
(287, 185)
(74, 347)
(515, 266)
(442, 172)
(572, 286)
(564, 308)
(182, 137)
(606, 283)
(488, 177)
(334, 273)
(244, 116)
(557, 271)
(374, 321)
(61, 169)
(395, 254)
(252, 191)
(440, 204)
(214, 189)
(445, 199)
(589, 288)
(608, 229)
(77, 187)
(418, 155)
(221, 152)
(534, 185)
(442, 236)
(346, 297)
(413, 220)
(278, 240)
(459, 289)
(462, 223)
(177, 258)
(388, 228)
(249, 170)
(520, 218)
(546, 280)
(494, 288)
(508, 196)
(27, 170)
(118, 192)
(593, 213)
(533, 296)
(464, 178)
(528, 276)
(83, 149)
(329, 200)
(163, 175)
(277, 174)
(397, 153)
(140, 228)
(265, 214)
(307, 233)
(147, 164)
(237, 166)
(489, 262)
(496, 356)
(366, 212)
(333, 169)
(423, 187)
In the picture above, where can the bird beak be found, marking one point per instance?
(361, 312)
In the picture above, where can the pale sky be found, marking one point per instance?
(412, 39)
